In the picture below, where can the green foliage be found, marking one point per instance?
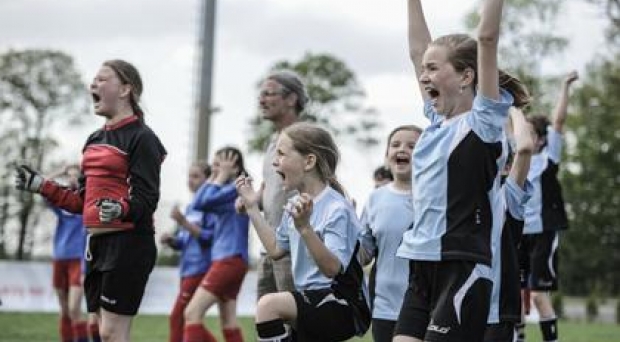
(618, 311)
(336, 101)
(557, 301)
(612, 11)
(591, 308)
(591, 182)
(40, 90)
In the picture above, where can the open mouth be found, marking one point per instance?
(281, 174)
(96, 98)
(432, 92)
(402, 160)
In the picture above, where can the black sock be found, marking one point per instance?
(549, 329)
(272, 331)
(520, 330)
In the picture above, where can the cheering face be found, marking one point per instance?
(272, 101)
(195, 178)
(108, 92)
(289, 164)
(399, 153)
(441, 82)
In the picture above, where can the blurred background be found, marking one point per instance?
(353, 53)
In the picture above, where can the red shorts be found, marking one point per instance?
(66, 273)
(188, 287)
(225, 277)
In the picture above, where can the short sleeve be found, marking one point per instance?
(488, 117)
(554, 145)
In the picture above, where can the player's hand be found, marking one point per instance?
(246, 191)
(571, 77)
(300, 207)
(109, 210)
(240, 206)
(28, 179)
(177, 215)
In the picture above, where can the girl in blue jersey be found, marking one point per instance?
(193, 239)
(455, 178)
(319, 229)
(545, 215)
(69, 244)
(505, 308)
(229, 251)
(388, 213)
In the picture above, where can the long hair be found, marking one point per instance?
(128, 74)
(309, 138)
(463, 54)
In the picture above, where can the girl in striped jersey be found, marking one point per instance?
(455, 178)
(229, 252)
(193, 238)
(505, 308)
(387, 215)
(319, 229)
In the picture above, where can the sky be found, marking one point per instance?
(161, 39)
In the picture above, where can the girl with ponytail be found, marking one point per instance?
(319, 229)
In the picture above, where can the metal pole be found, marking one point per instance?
(204, 110)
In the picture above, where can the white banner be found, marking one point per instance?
(27, 286)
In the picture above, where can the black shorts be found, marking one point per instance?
(500, 332)
(446, 301)
(322, 316)
(382, 330)
(117, 272)
(543, 260)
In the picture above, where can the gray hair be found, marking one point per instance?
(292, 84)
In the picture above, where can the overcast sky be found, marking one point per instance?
(161, 37)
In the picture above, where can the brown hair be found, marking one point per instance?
(540, 124)
(204, 167)
(239, 163)
(309, 138)
(128, 74)
(411, 128)
(463, 54)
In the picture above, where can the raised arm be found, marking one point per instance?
(559, 112)
(488, 38)
(419, 37)
(524, 149)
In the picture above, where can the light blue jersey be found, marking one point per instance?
(335, 222)
(386, 216)
(547, 159)
(456, 164)
(508, 213)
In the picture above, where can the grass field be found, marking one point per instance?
(40, 327)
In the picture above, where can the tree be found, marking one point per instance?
(612, 11)
(335, 101)
(40, 91)
(527, 40)
(591, 182)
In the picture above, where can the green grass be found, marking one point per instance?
(42, 327)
